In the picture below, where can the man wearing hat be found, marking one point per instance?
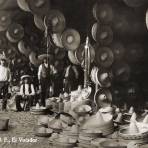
(45, 76)
(5, 78)
(27, 93)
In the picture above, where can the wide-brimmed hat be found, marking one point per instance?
(104, 57)
(71, 39)
(39, 7)
(25, 76)
(56, 19)
(15, 32)
(23, 5)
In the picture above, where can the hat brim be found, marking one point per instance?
(25, 76)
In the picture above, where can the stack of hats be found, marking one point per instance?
(86, 137)
(100, 122)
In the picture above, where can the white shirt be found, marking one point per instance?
(27, 90)
(5, 74)
(52, 70)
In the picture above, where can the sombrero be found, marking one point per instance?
(146, 18)
(5, 20)
(57, 40)
(104, 57)
(94, 11)
(39, 22)
(121, 71)
(33, 59)
(56, 20)
(47, 56)
(71, 39)
(104, 13)
(23, 48)
(94, 30)
(15, 32)
(104, 35)
(23, 5)
(103, 97)
(72, 58)
(104, 77)
(25, 76)
(79, 53)
(39, 7)
(118, 50)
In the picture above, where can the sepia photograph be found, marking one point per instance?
(73, 74)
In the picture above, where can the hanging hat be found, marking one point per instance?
(47, 56)
(118, 50)
(94, 30)
(25, 76)
(94, 11)
(79, 53)
(121, 71)
(57, 39)
(5, 20)
(72, 58)
(104, 57)
(104, 35)
(39, 7)
(39, 22)
(104, 13)
(15, 32)
(104, 77)
(103, 97)
(71, 39)
(146, 18)
(23, 5)
(24, 48)
(56, 19)
(33, 59)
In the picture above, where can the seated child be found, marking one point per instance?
(27, 93)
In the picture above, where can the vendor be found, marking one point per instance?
(26, 94)
(45, 75)
(5, 78)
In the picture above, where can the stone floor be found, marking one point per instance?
(21, 126)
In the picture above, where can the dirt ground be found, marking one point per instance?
(21, 126)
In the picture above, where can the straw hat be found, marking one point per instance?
(5, 20)
(56, 19)
(104, 57)
(23, 5)
(39, 22)
(25, 76)
(71, 39)
(15, 32)
(39, 7)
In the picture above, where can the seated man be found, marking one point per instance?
(26, 94)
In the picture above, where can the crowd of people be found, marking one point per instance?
(39, 83)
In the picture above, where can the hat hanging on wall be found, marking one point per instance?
(23, 5)
(15, 33)
(39, 7)
(72, 58)
(104, 57)
(39, 22)
(71, 39)
(56, 20)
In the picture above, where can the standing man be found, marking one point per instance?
(45, 75)
(5, 78)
